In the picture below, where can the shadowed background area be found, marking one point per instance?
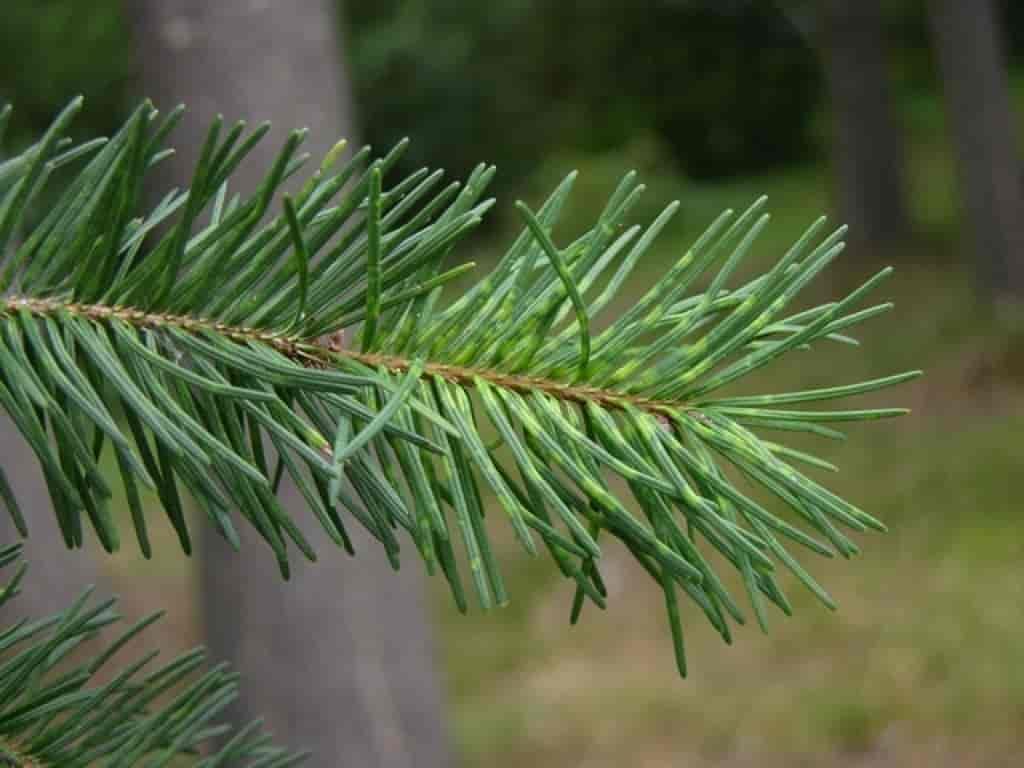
(902, 118)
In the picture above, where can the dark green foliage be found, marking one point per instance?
(213, 347)
(732, 87)
(50, 48)
(729, 87)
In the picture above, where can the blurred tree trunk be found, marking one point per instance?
(972, 62)
(867, 142)
(339, 659)
(57, 576)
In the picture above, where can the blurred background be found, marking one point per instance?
(903, 118)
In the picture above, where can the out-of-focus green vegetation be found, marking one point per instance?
(728, 87)
(51, 50)
(922, 665)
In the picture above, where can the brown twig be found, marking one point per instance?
(319, 352)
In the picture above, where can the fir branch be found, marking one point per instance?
(204, 344)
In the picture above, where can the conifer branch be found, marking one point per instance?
(198, 344)
(56, 713)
